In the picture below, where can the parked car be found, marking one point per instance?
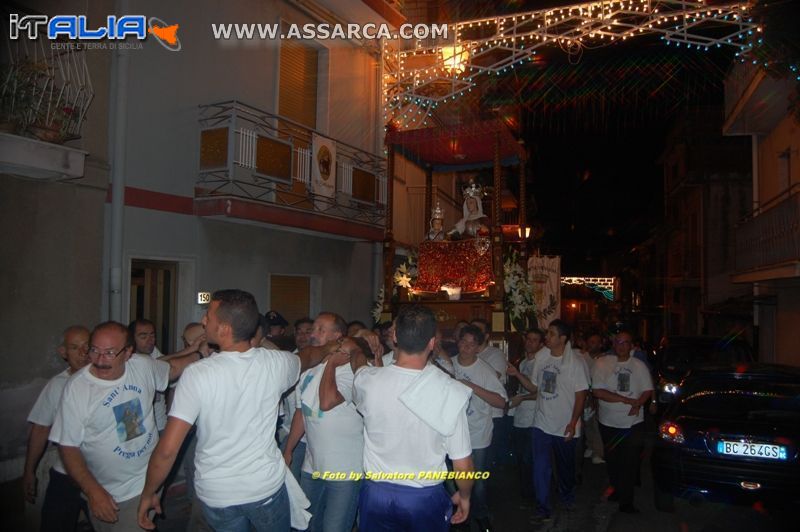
(678, 355)
(731, 435)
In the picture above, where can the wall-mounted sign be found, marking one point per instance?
(203, 298)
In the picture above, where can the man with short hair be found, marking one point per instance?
(524, 405)
(622, 385)
(62, 500)
(302, 339)
(594, 442)
(561, 382)
(398, 438)
(143, 332)
(233, 397)
(105, 427)
(501, 435)
(487, 393)
(302, 332)
(334, 434)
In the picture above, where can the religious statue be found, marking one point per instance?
(436, 230)
(474, 223)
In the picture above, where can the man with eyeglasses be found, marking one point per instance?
(62, 500)
(105, 426)
(622, 385)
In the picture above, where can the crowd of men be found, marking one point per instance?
(392, 429)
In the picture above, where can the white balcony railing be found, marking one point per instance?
(253, 154)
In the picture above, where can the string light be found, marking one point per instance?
(447, 71)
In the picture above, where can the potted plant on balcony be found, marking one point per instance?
(54, 126)
(14, 100)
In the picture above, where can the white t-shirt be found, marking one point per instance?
(44, 410)
(397, 441)
(629, 379)
(557, 386)
(445, 363)
(479, 412)
(334, 439)
(160, 400)
(497, 360)
(112, 423)
(233, 397)
(524, 412)
(387, 359)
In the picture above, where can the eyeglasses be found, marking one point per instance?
(622, 342)
(108, 353)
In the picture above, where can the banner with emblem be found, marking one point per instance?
(544, 274)
(323, 171)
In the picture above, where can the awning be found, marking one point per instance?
(464, 147)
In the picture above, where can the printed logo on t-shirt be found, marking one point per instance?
(623, 381)
(549, 381)
(307, 411)
(130, 420)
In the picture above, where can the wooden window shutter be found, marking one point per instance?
(297, 99)
(290, 295)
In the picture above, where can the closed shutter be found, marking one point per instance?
(297, 98)
(290, 295)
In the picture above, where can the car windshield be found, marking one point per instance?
(745, 401)
(687, 356)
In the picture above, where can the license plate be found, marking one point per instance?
(752, 450)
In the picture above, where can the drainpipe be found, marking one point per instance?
(117, 125)
(756, 206)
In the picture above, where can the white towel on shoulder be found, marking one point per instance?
(436, 399)
(298, 502)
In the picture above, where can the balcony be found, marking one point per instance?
(259, 167)
(754, 101)
(768, 245)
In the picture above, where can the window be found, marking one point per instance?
(291, 296)
(297, 96)
(784, 169)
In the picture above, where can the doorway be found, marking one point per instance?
(152, 297)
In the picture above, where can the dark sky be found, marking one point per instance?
(596, 194)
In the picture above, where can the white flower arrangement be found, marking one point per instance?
(377, 308)
(519, 294)
(406, 274)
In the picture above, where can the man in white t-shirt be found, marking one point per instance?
(334, 434)
(622, 385)
(144, 343)
(400, 444)
(302, 339)
(501, 434)
(594, 442)
(561, 382)
(62, 500)
(487, 393)
(524, 405)
(105, 427)
(233, 397)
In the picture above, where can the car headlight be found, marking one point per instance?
(669, 387)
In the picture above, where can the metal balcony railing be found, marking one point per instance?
(252, 154)
(772, 237)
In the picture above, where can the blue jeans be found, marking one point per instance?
(333, 503)
(388, 507)
(267, 515)
(564, 454)
(479, 505)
